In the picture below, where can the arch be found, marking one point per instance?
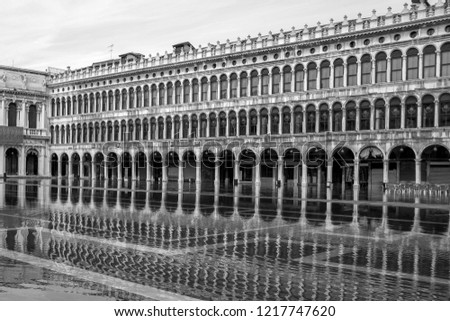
(169, 92)
(435, 165)
(324, 118)
(75, 165)
(325, 73)
(286, 118)
(276, 79)
(12, 115)
(275, 121)
(352, 71)
(402, 160)
(429, 62)
(53, 165)
(337, 117)
(381, 67)
(298, 119)
(233, 85)
(299, 77)
(242, 123)
(268, 165)
(214, 87)
(411, 112)
(444, 110)
(287, 79)
(338, 66)
(396, 65)
(247, 162)
(178, 92)
(12, 161)
(264, 82)
(32, 116)
(64, 165)
(254, 83)
(312, 75)
(244, 84)
(445, 60)
(380, 114)
(223, 87)
(212, 125)
(364, 115)
(395, 113)
(412, 64)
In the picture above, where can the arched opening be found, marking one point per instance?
(444, 110)
(395, 113)
(324, 118)
(64, 165)
(247, 162)
(31, 167)
(298, 120)
(380, 114)
(141, 166)
(172, 163)
(76, 165)
(371, 170)
(292, 162)
(208, 166)
(325, 72)
(435, 167)
(364, 121)
(269, 165)
(343, 170)
(380, 67)
(402, 165)
(53, 165)
(232, 130)
(428, 110)
(99, 172)
(87, 166)
(112, 165)
(226, 167)
(275, 121)
(126, 166)
(32, 117)
(316, 158)
(337, 117)
(242, 123)
(12, 115)
(286, 120)
(411, 112)
(264, 118)
(190, 164)
(311, 119)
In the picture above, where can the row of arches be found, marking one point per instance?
(13, 162)
(13, 116)
(413, 63)
(396, 113)
(368, 166)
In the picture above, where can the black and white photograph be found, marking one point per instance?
(289, 151)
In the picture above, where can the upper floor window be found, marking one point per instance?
(412, 64)
(169, 93)
(264, 82)
(214, 88)
(195, 90)
(325, 74)
(366, 70)
(396, 65)
(254, 83)
(223, 87)
(204, 96)
(244, 84)
(445, 60)
(299, 78)
(352, 71)
(276, 80)
(338, 73)
(177, 92)
(312, 76)
(233, 85)
(381, 67)
(287, 79)
(429, 62)
(186, 90)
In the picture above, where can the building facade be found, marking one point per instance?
(354, 103)
(24, 138)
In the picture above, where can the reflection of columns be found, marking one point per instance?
(60, 168)
(418, 171)
(164, 168)
(92, 170)
(356, 175)
(149, 172)
(304, 174)
(134, 164)
(181, 165)
(119, 170)
(330, 174)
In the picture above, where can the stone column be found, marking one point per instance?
(304, 175)
(345, 80)
(419, 115)
(331, 76)
(2, 114)
(436, 113)
(418, 171)
(257, 169)
(388, 69)
(358, 118)
(119, 171)
(304, 121)
(420, 66)
(403, 114)
(70, 169)
(217, 172)
(236, 170)
(198, 171)
(270, 84)
(317, 119)
(330, 174)
(387, 118)
(149, 172)
(181, 166)
(164, 168)
(59, 168)
(25, 116)
(356, 175)
(404, 75)
(280, 166)
(438, 63)
(358, 72)
(133, 169)
(385, 171)
(344, 119)
(372, 117)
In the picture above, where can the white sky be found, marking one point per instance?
(60, 33)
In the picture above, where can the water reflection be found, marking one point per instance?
(270, 244)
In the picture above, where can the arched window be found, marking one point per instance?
(214, 88)
(110, 101)
(381, 67)
(395, 113)
(244, 84)
(145, 129)
(312, 76)
(264, 82)
(203, 125)
(412, 64)
(32, 116)
(194, 126)
(364, 112)
(338, 73)
(352, 71)
(287, 79)
(276, 77)
(169, 93)
(186, 90)
(350, 110)
(286, 120)
(63, 106)
(234, 86)
(176, 128)
(212, 125)
(242, 123)
(124, 99)
(233, 123)
(161, 94)
(160, 128)
(195, 90)
(86, 102)
(223, 124)
(12, 115)
(223, 87)
(337, 117)
(396, 65)
(324, 120)
(325, 74)
(169, 127)
(58, 107)
(204, 96)
(411, 112)
(69, 106)
(429, 62)
(253, 122)
(153, 128)
(254, 83)
(299, 78)
(311, 119)
(380, 114)
(428, 110)
(298, 120)
(264, 122)
(366, 69)
(146, 96)
(91, 103)
(53, 107)
(445, 60)
(444, 110)
(131, 97)
(185, 126)
(177, 92)
(275, 119)
(154, 95)
(105, 100)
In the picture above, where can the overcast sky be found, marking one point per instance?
(76, 33)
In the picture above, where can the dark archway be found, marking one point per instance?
(435, 167)
(12, 161)
(32, 162)
(402, 164)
